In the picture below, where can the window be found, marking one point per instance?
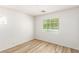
(3, 20)
(51, 24)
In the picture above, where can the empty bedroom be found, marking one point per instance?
(39, 29)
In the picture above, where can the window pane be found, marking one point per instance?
(51, 23)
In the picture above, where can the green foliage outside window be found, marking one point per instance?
(51, 23)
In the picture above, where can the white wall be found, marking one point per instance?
(19, 28)
(68, 33)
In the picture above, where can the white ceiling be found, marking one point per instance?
(35, 10)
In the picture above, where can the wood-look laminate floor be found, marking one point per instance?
(39, 46)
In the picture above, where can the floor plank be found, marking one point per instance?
(39, 46)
